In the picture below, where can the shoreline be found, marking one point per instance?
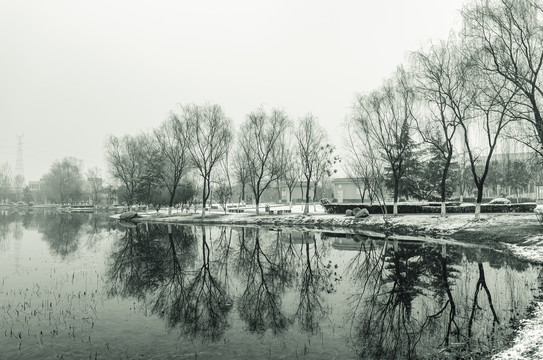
(519, 234)
(492, 228)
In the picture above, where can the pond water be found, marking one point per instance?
(80, 286)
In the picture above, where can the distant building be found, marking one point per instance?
(34, 186)
(345, 190)
(297, 194)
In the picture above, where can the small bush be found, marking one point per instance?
(348, 212)
(356, 210)
(417, 209)
(362, 213)
(500, 201)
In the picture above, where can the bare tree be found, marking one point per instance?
(64, 181)
(357, 165)
(5, 181)
(509, 33)
(94, 179)
(223, 191)
(386, 116)
(324, 168)
(241, 173)
(292, 173)
(310, 138)
(208, 133)
(174, 151)
(439, 79)
(134, 162)
(493, 105)
(260, 140)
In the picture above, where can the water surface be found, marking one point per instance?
(82, 286)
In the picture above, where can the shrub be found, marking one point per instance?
(362, 213)
(418, 208)
(348, 212)
(356, 210)
(500, 201)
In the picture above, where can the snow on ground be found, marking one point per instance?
(528, 342)
(431, 222)
(531, 249)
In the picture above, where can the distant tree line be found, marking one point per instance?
(198, 148)
(64, 183)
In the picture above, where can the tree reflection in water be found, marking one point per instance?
(62, 232)
(408, 300)
(205, 304)
(138, 262)
(260, 303)
(161, 264)
(316, 278)
(407, 303)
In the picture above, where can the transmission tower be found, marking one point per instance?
(19, 166)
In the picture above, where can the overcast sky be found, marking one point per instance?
(72, 72)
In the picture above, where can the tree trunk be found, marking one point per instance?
(315, 198)
(396, 191)
(306, 209)
(172, 196)
(444, 185)
(478, 202)
(290, 199)
(302, 194)
(204, 199)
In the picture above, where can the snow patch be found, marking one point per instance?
(528, 342)
(531, 249)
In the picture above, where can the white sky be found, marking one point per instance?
(72, 72)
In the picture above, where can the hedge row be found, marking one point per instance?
(425, 209)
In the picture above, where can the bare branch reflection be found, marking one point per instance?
(260, 304)
(316, 279)
(62, 232)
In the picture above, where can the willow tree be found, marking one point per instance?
(260, 141)
(386, 117)
(208, 133)
(509, 33)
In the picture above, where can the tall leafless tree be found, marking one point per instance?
(175, 153)
(208, 133)
(509, 33)
(310, 138)
(260, 140)
(240, 172)
(440, 78)
(292, 174)
(94, 179)
(386, 116)
(357, 165)
(133, 161)
(493, 106)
